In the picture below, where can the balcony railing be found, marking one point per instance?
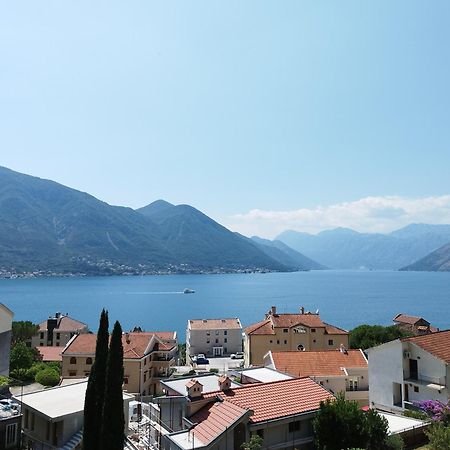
(424, 379)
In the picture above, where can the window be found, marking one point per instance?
(145, 377)
(225, 340)
(125, 380)
(88, 361)
(208, 341)
(314, 341)
(225, 332)
(285, 330)
(42, 335)
(301, 347)
(353, 385)
(58, 335)
(86, 374)
(217, 341)
(416, 388)
(294, 426)
(11, 434)
(145, 361)
(278, 341)
(73, 360)
(208, 333)
(285, 341)
(217, 332)
(313, 330)
(73, 373)
(330, 342)
(225, 350)
(271, 342)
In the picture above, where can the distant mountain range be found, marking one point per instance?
(47, 227)
(343, 248)
(437, 261)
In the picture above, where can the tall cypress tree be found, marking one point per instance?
(112, 434)
(95, 392)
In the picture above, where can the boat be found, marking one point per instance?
(188, 291)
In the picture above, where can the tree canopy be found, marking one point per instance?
(366, 336)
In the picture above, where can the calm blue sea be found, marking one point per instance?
(344, 298)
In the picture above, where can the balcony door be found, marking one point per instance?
(413, 369)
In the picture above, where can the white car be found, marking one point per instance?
(237, 355)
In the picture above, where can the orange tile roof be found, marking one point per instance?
(214, 419)
(277, 399)
(403, 318)
(291, 320)
(193, 382)
(48, 354)
(438, 344)
(317, 363)
(215, 324)
(134, 345)
(65, 323)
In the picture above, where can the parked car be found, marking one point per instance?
(237, 355)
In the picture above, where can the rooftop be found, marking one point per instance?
(404, 318)
(278, 399)
(214, 324)
(59, 401)
(64, 323)
(289, 320)
(438, 344)
(264, 375)
(317, 363)
(49, 353)
(135, 345)
(210, 383)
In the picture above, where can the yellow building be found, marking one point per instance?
(280, 332)
(147, 358)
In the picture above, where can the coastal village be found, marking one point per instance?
(228, 383)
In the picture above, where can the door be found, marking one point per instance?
(217, 351)
(413, 369)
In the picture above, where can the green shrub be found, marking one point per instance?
(420, 415)
(47, 377)
(35, 368)
(439, 437)
(394, 442)
(214, 370)
(20, 375)
(4, 381)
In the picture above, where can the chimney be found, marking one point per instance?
(194, 388)
(224, 383)
(52, 323)
(302, 310)
(127, 338)
(273, 310)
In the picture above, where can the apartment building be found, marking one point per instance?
(213, 337)
(6, 317)
(147, 358)
(281, 412)
(57, 331)
(299, 331)
(52, 419)
(339, 371)
(408, 370)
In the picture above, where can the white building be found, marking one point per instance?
(6, 317)
(408, 370)
(213, 337)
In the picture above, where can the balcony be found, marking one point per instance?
(425, 380)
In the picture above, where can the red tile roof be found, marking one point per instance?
(438, 344)
(410, 320)
(193, 382)
(48, 354)
(215, 324)
(318, 363)
(277, 399)
(214, 419)
(65, 323)
(134, 344)
(291, 320)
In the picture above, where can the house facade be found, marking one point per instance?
(339, 371)
(281, 412)
(57, 331)
(413, 324)
(148, 358)
(52, 419)
(6, 317)
(404, 371)
(281, 332)
(213, 337)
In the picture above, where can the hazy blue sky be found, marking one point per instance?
(233, 106)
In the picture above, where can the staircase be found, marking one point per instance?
(73, 441)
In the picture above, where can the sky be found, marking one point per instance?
(264, 115)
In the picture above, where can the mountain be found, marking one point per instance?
(286, 255)
(46, 226)
(196, 238)
(343, 248)
(437, 261)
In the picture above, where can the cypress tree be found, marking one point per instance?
(112, 434)
(93, 403)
